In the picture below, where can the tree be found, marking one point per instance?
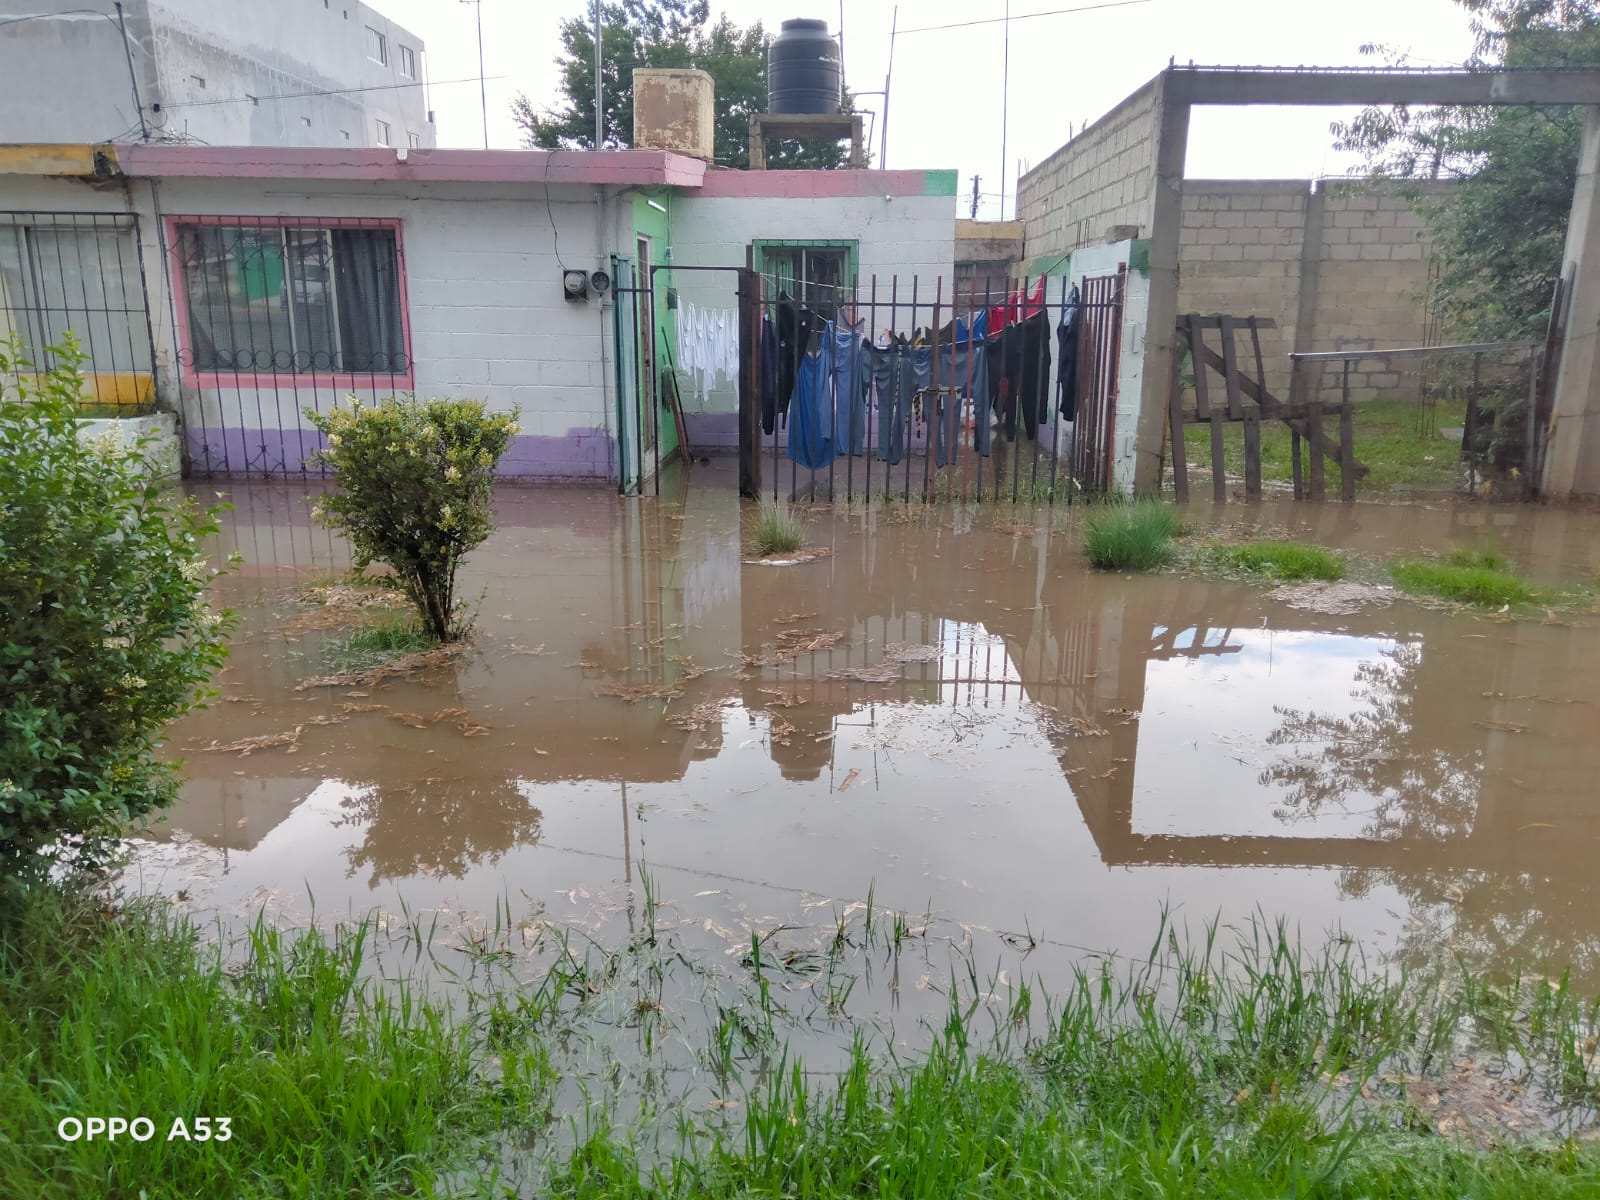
(664, 33)
(1500, 232)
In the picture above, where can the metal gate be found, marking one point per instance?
(949, 400)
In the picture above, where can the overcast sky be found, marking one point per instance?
(947, 101)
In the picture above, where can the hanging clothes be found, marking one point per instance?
(899, 373)
(811, 415)
(768, 375)
(846, 369)
(962, 375)
(795, 325)
(1025, 362)
(1067, 356)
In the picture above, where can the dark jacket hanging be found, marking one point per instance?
(769, 376)
(1067, 355)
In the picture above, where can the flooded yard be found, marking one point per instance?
(944, 711)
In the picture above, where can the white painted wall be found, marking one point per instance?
(908, 236)
(274, 51)
(485, 308)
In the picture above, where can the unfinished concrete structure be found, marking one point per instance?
(1127, 170)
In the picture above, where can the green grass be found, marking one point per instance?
(333, 1086)
(1279, 560)
(390, 635)
(1130, 537)
(1482, 586)
(779, 530)
(1386, 440)
(1248, 1067)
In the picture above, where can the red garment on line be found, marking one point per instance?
(1016, 308)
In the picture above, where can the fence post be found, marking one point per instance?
(1347, 439)
(749, 392)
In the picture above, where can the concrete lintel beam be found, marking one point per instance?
(1312, 87)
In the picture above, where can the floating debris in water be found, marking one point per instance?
(419, 660)
(288, 739)
(1332, 599)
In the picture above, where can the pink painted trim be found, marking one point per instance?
(405, 382)
(640, 168)
(802, 184)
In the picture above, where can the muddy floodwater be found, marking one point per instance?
(946, 709)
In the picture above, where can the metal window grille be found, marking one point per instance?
(292, 299)
(80, 275)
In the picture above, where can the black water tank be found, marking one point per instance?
(803, 69)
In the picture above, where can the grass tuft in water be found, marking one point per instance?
(1280, 560)
(779, 530)
(1130, 537)
(1466, 576)
(390, 636)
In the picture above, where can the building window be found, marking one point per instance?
(414, 140)
(408, 62)
(78, 274)
(377, 46)
(381, 129)
(818, 274)
(292, 299)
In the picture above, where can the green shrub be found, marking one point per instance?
(106, 633)
(1281, 560)
(415, 479)
(1131, 537)
(779, 531)
(1463, 584)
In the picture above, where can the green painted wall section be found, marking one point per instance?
(657, 226)
(938, 183)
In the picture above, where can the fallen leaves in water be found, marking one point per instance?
(1332, 599)
(634, 692)
(1502, 726)
(702, 716)
(420, 660)
(1082, 727)
(288, 739)
(909, 652)
(793, 558)
(464, 724)
(884, 672)
(793, 618)
(778, 698)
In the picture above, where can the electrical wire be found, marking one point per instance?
(549, 209)
(1055, 12)
(66, 12)
(376, 87)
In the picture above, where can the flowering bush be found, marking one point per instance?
(105, 629)
(415, 479)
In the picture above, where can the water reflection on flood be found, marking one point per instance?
(996, 736)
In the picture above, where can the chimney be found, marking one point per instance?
(672, 110)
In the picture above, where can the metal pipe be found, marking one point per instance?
(883, 135)
(133, 77)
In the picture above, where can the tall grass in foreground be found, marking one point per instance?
(334, 1086)
(779, 530)
(1249, 1067)
(1130, 537)
(1293, 561)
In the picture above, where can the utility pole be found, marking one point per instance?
(483, 94)
(599, 112)
(883, 139)
(975, 179)
(1005, 109)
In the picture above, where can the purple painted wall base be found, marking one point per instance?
(586, 454)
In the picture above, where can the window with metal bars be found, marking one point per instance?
(292, 299)
(74, 273)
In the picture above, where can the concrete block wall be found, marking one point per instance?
(1242, 250)
(1100, 179)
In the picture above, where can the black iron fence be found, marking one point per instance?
(81, 275)
(883, 388)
